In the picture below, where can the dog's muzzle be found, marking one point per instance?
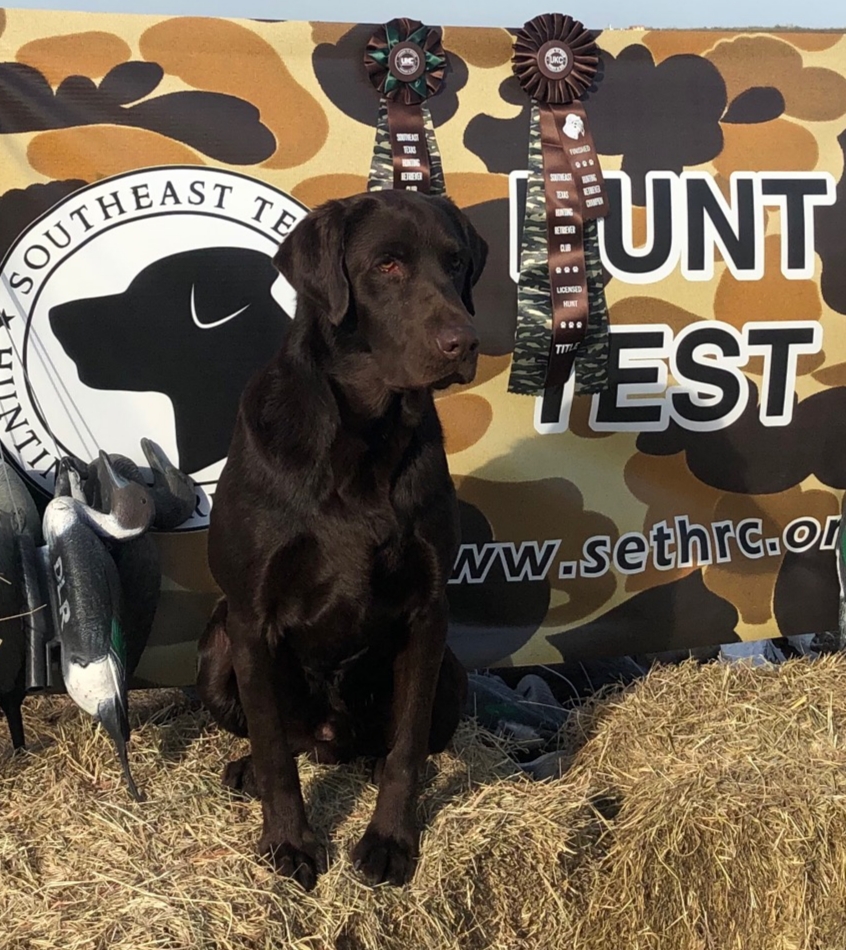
(458, 343)
(459, 350)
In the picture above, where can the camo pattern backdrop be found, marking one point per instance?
(150, 165)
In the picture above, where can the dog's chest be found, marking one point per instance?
(347, 596)
(363, 506)
(362, 562)
(369, 555)
(372, 550)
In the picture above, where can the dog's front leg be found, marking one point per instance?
(388, 850)
(286, 839)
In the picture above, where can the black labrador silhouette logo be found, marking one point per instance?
(140, 306)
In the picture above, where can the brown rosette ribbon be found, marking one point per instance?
(406, 63)
(555, 59)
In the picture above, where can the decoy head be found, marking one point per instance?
(98, 485)
(69, 476)
(174, 492)
(62, 486)
(127, 503)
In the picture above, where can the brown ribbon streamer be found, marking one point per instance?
(574, 192)
(555, 60)
(408, 147)
(581, 151)
(565, 243)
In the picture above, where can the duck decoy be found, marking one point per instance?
(105, 575)
(174, 492)
(86, 595)
(20, 528)
(174, 499)
(137, 560)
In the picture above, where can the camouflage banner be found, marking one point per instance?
(150, 166)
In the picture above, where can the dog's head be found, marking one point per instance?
(391, 275)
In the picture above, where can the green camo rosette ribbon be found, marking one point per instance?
(405, 61)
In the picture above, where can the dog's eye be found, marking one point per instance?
(455, 264)
(389, 265)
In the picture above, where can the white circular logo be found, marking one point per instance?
(139, 307)
(407, 61)
(556, 59)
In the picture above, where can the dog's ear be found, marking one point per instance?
(478, 255)
(475, 243)
(311, 259)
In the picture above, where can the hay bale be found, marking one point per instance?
(728, 787)
(705, 809)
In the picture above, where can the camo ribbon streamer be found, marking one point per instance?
(562, 314)
(382, 164)
(406, 63)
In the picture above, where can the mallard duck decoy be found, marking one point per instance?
(19, 521)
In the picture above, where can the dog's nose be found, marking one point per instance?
(457, 342)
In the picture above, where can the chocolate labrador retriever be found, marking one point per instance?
(334, 526)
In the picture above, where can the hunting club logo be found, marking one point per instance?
(407, 61)
(140, 306)
(556, 59)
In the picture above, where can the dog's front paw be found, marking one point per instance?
(299, 861)
(385, 859)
